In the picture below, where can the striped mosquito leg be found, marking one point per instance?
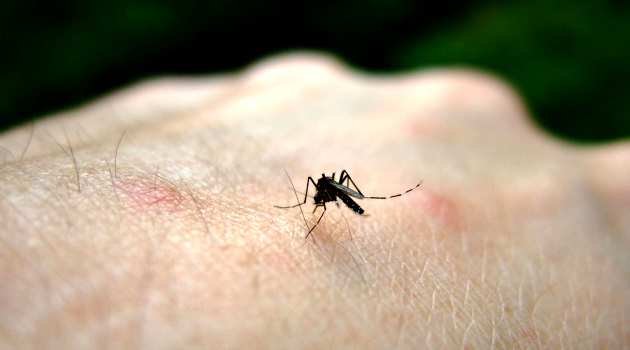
(396, 195)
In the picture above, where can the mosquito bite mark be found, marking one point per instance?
(420, 128)
(442, 208)
(149, 194)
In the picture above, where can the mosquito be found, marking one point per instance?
(329, 190)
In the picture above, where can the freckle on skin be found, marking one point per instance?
(147, 193)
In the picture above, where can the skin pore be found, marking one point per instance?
(146, 219)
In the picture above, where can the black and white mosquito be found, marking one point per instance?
(328, 190)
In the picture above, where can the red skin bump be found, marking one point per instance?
(442, 208)
(419, 127)
(146, 193)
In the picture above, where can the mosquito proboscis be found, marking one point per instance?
(328, 189)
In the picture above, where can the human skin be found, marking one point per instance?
(514, 239)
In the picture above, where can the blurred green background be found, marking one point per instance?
(569, 59)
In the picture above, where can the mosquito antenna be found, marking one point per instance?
(298, 200)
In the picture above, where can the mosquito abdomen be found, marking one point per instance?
(350, 203)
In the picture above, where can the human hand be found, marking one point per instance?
(157, 228)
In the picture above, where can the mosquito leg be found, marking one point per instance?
(296, 198)
(314, 185)
(317, 223)
(306, 192)
(346, 177)
(305, 195)
(342, 176)
(291, 206)
(396, 195)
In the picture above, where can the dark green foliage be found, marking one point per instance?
(569, 59)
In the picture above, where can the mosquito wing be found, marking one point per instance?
(346, 190)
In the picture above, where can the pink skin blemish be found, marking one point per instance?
(422, 126)
(531, 337)
(442, 208)
(147, 193)
(419, 128)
